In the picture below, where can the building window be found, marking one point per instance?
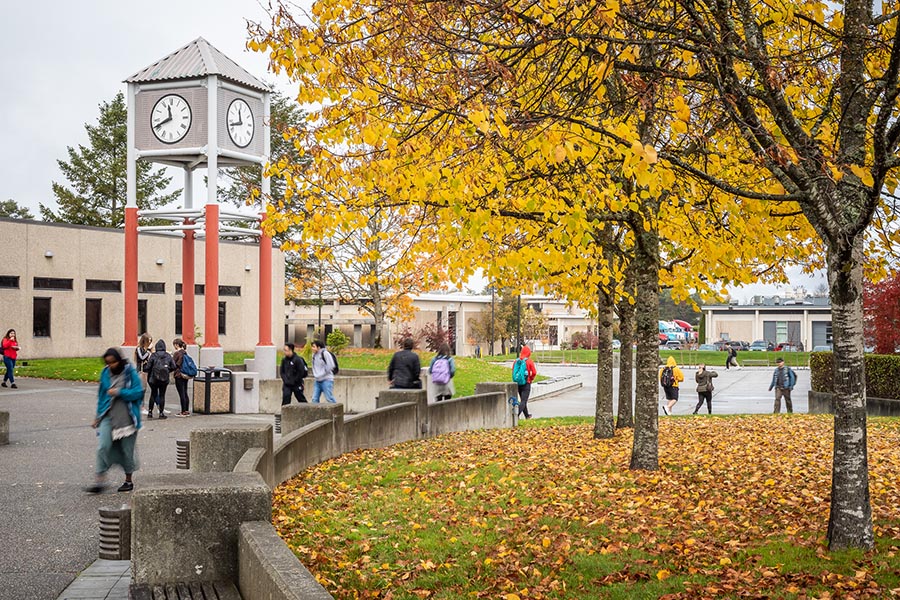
(41, 317)
(229, 290)
(221, 318)
(9, 281)
(151, 287)
(142, 316)
(178, 317)
(199, 288)
(52, 283)
(102, 285)
(92, 317)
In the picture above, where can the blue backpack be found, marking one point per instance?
(188, 366)
(520, 372)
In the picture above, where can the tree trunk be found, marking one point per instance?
(850, 521)
(626, 354)
(604, 427)
(645, 450)
(378, 315)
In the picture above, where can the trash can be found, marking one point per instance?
(212, 391)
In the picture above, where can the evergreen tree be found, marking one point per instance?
(96, 175)
(11, 208)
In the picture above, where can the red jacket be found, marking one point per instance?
(10, 348)
(529, 364)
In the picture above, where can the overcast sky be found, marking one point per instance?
(60, 59)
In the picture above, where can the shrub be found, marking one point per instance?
(882, 374)
(407, 332)
(434, 335)
(582, 339)
(337, 341)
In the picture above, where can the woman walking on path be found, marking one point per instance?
(158, 368)
(731, 360)
(117, 420)
(670, 377)
(704, 387)
(181, 380)
(523, 374)
(442, 369)
(10, 347)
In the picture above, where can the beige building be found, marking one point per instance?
(61, 289)
(777, 320)
(453, 311)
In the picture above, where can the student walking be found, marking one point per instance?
(405, 370)
(141, 355)
(523, 374)
(10, 348)
(783, 381)
(185, 369)
(293, 372)
(158, 368)
(442, 370)
(670, 377)
(704, 387)
(117, 420)
(731, 359)
(324, 368)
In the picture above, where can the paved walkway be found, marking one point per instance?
(49, 527)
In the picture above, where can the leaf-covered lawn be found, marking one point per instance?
(739, 509)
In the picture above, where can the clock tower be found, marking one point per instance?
(197, 109)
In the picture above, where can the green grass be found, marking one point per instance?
(683, 357)
(70, 369)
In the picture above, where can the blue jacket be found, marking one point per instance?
(790, 378)
(132, 392)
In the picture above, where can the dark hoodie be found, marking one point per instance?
(159, 363)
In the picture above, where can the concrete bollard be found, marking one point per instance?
(4, 428)
(115, 533)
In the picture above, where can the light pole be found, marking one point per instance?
(519, 324)
(492, 320)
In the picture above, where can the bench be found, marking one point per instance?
(758, 362)
(220, 590)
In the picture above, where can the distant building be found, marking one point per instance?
(61, 288)
(774, 319)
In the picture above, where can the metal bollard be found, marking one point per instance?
(115, 533)
(277, 423)
(183, 454)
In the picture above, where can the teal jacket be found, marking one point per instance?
(132, 392)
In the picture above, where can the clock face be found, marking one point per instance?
(240, 123)
(170, 119)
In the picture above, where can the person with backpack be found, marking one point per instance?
(10, 348)
(141, 355)
(185, 370)
(704, 387)
(783, 381)
(442, 370)
(670, 377)
(158, 368)
(731, 359)
(405, 370)
(293, 372)
(523, 374)
(117, 420)
(325, 367)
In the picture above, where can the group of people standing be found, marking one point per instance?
(670, 377)
(157, 368)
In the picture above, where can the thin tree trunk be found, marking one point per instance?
(604, 426)
(378, 315)
(645, 450)
(626, 354)
(850, 521)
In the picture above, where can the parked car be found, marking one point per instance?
(617, 344)
(673, 345)
(721, 345)
(737, 345)
(825, 348)
(786, 347)
(707, 347)
(759, 346)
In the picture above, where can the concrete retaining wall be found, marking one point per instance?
(218, 449)
(297, 416)
(185, 525)
(268, 569)
(823, 403)
(381, 427)
(304, 448)
(356, 392)
(4, 428)
(485, 411)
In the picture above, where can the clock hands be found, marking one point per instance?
(164, 121)
(240, 120)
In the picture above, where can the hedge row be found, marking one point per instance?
(882, 374)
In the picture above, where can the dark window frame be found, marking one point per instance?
(103, 285)
(230, 290)
(34, 320)
(223, 314)
(142, 315)
(64, 284)
(179, 308)
(151, 287)
(9, 282)
(199, 289)
(87, 317)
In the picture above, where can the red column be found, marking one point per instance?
(211, 331)
(265, 287)
(131, 276)
(187, 285)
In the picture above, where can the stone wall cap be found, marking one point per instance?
(195, 482)
(235, 427)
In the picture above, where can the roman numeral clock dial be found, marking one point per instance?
(170, 119)
(240, 123)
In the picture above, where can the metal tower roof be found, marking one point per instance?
(197, 59)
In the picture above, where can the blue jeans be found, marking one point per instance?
(10, 364)
(327, 387)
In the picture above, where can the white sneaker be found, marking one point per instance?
(666, 409)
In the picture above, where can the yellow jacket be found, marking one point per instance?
(676, 372)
